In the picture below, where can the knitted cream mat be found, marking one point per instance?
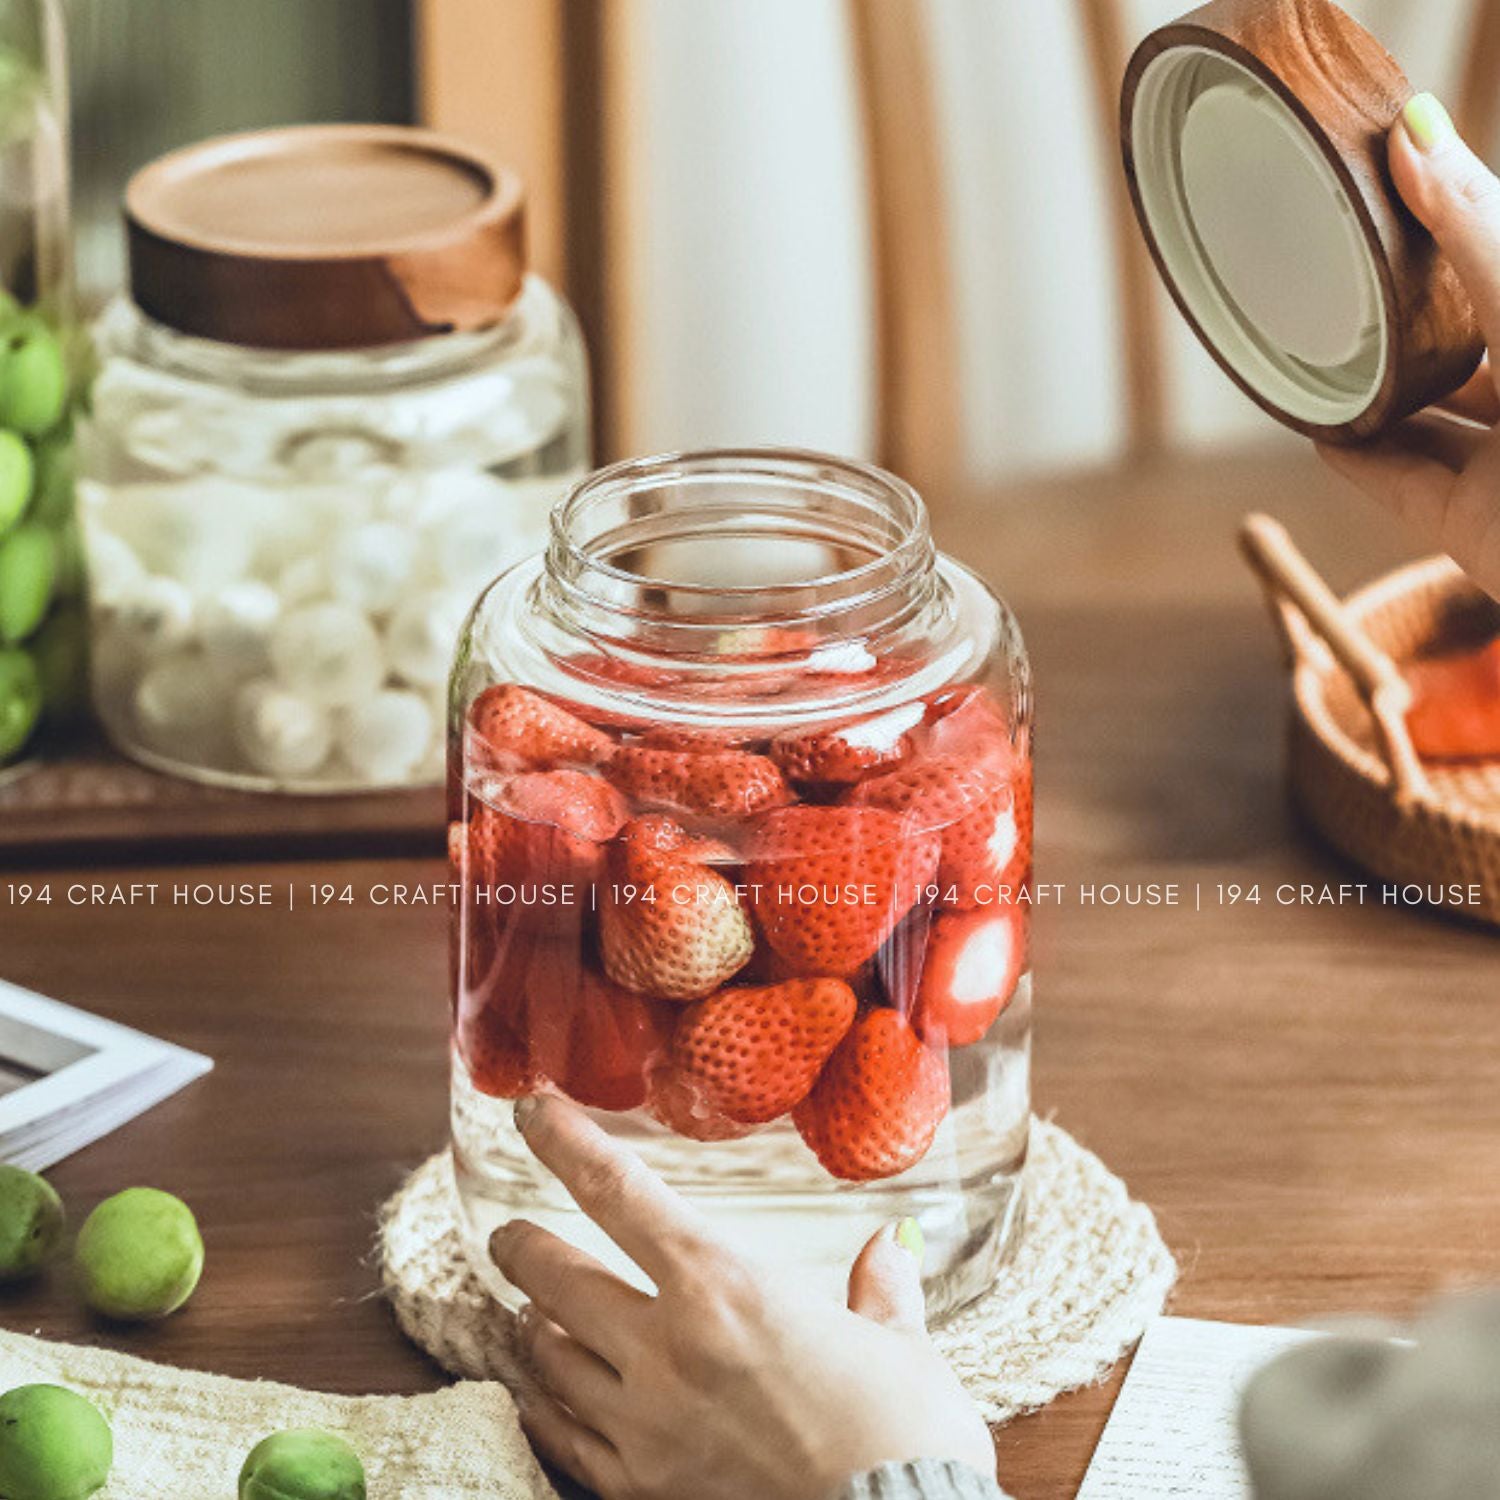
(1090, 1271)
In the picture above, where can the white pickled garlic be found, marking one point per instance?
(328, 653)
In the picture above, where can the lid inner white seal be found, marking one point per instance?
(1260, 236)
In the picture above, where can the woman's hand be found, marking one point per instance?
(1440, 476)
(731, 1382)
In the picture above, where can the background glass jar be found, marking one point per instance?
(742, 777)
(293, 488)
(42, 639)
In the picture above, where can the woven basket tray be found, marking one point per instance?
(1354, 773)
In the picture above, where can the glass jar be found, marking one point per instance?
(42, 635)
(742, 836)
(299, 472)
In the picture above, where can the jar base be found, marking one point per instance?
(971, 1223)
(348, 785)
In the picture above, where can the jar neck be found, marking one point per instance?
(738, 556)
(126, 331)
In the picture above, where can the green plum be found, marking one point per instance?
(20, 701)
(28, 576)
(33, 379)
(139, 1256)
(60, 652)
(52, 491)
(17, 479)
(302, 1463)
(69, 578)
(54, 1445)
(31, 1224)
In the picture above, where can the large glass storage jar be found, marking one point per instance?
(42, 636)
(743, 846)
(333, 407)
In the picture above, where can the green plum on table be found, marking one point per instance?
(139, 1256)
(31, 1224)
(302, 1463)
(54, 1445)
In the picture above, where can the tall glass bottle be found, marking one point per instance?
(41, 625)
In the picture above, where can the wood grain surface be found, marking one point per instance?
(1348, 91)
(88, 804)
(1305, 1093)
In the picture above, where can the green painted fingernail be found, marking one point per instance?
(911, 1239)
(1427, 122)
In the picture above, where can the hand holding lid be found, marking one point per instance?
(1255, 143)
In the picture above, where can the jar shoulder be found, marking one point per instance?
(541, 328)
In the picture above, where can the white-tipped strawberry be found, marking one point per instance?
(970, 972)
(669, 925)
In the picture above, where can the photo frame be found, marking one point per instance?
(68, 1077)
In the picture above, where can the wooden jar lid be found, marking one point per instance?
(325, 237)
(1255, 140)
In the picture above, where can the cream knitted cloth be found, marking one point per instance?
(183, 1435)
(1090, 1272)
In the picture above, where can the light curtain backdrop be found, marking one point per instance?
(751, 285)
(741, 288)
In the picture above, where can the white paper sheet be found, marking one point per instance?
(1172, 1434)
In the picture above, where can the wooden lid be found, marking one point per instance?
(325, 237)
(1255, 136)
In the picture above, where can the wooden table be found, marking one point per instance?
(1305, 1093)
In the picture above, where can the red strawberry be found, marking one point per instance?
(949, 700)
(716, 784)
(1455, 711)
(617, 672)
(878, 1104)
(849, 752)
(496, 1058)
(668, 924)
(973, 964)
(967, 719)
(830, 883)
(490, 1011)
(544, 826)
(680, 1104)
(694, 741)
(596, 1041)
(541, 1014)
(897, 970)
(511, 728)
(755, 1052)
(982, 811)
